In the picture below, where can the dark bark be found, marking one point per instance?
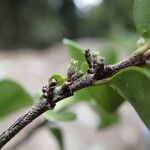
(30, 133)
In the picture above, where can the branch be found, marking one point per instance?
(75, 81)
(30, 133)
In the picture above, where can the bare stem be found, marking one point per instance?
(24, 120)
(31, 132)
(97, 72)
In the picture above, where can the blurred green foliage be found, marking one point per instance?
(142, 17)
(58, 134)
(134, 85)
(38, 24)
(13, 97)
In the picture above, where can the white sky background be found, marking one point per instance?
(86, 4)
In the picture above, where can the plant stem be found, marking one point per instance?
(29, 134)
(136, 59)
(24, 120)
(142, 49)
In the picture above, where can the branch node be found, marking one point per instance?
(95, 62)
(48, 93)
(66, 88)
(72, 69)
(89, 58)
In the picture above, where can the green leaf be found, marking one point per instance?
(60, 116)
(134, 85)
(75, 51)
(58, 78)
(57, 133)
(106, 97)
(142, 16)
(82, 95)
(106, 118)
(12, 97)
(110, 55)
(84, 67)
(106, 101)
(63, 105)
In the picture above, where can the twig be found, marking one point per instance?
(97, 71)
(30, 133)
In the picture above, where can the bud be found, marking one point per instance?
(44, 89)
(72, 68)
(53, 83)
(141, 42)
(96, 55)
(89, 57)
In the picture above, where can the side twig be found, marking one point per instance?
(97, 71)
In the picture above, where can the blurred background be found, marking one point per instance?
(39, 24)
(31, 33)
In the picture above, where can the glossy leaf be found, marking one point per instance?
(106, 97)
(12, 97)
(134, 84)
(75, 51)
(57, 133)
(60, 80)
(142, 16)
